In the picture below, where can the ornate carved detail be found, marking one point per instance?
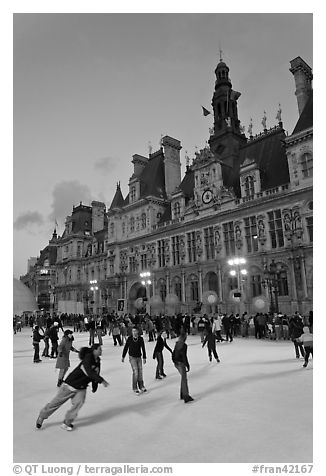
(217, 238)
(261, 229)
(199, 246)
(238, 235)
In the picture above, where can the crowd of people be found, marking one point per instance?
(129, 331)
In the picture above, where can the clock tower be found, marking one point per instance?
(227, 137)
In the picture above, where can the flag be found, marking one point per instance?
(205, 111)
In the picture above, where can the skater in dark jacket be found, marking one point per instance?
(53, 335)
(74, 387)
(181, 363)
(210, 339)
(136, 347)
(158, 354)
(37, 337)
(295, 331)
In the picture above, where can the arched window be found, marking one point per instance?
(143, 220)
(282, 284)
(194, 290)
(249, 186)
(177, 288)
(162, 290)
(306, 164)
(132, 224)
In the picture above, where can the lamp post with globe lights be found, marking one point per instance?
(94, 288)
(146, 281)
(238, 270)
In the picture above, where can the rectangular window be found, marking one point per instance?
(175, 250)
(111, 268)
(209, 242)
(143, 261)
(191, 242)
(276, 228)
(161, 254)
(282, 284)
(228, 231)
(256, 288)
(132, 264)
(233, 282)
(309, 224)
(251, 234)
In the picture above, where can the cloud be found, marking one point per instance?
(65, 195)
(105, 165)
(27, 219)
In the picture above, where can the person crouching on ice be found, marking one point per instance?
(74, 387)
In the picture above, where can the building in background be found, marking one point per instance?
(242, 196)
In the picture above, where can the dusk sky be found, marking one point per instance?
(91, 90)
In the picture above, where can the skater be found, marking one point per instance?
(201, 328)
(46, 338)
(63, 362)
(91, 330)
(227, 328)
(295, 331)
(37, 337)
(116, 333)
(307, 340)
(216, 328)
(210, 339)
(53, 335)
(158, 354)
(75, 386)
(136, 347)
(181, 363)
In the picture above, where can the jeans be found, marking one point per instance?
(297, 347)
(36, 352)
(228, 333)
(212, 351)
(99, 335)
(54, 348)
(91, 337)
(65, 392)
(308, 351)
(117, 338)
(46, 348)
(160, 363)
(184, 391)
(137, 373)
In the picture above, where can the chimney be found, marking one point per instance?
(140, 163)
(98, 214)
(172, 164)
(302, 77)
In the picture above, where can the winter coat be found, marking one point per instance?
(37, 337)
(53, 333)
(87, 371)
(295, 328)
(179, 353)
(217, 324)
(64, 349)
(210, 339)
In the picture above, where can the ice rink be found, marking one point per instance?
(255, 406)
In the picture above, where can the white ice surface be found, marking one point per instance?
(255, 406)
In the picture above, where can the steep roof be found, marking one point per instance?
(188, 183)
(118, 200)
(306, 118)
(268, 151)
(152, 178)
(50, 253)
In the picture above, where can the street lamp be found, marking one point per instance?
(146, 281)
(238, 271)
(271, 280)
(94, 288)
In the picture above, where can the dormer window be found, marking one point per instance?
(306, 164)
(132, 224)
(176, 210)
(249, 186)
(133, 193)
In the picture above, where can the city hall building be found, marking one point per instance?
(243, 198)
